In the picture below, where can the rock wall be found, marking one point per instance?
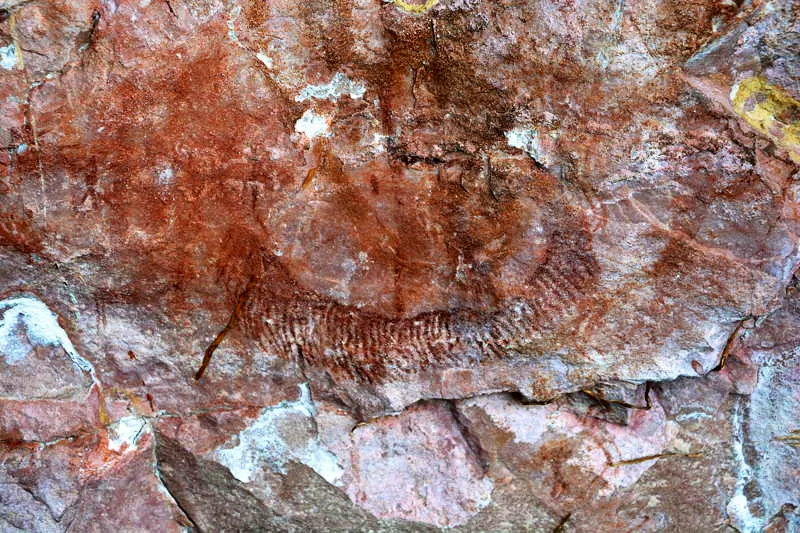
(388, 265)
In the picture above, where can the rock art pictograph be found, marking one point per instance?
(399, 265)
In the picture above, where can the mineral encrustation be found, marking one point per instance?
(399, 266)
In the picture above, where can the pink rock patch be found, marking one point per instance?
(418, 466)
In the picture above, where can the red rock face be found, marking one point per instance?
(519, 260)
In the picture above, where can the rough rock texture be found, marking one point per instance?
(479, 265)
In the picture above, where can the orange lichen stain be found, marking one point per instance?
(309, 178)
(102, 411)
(136, 403)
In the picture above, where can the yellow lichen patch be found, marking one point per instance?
(770, 110)
(415, 8)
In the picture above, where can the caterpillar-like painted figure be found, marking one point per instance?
(353, 344)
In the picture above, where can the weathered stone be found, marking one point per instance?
(485, 266)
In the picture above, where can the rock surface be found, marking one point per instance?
(483, 266)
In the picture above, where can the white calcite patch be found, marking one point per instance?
(339, 86)
(277, 437)
(738, 506)
(648, 158)
(233, 14)
(526, 139)
(765, 464)
(40, 326)
(529, 141)
(8, 56)
(312, 125)
(124, 434)
(165, 175)
(265, 59)
(376, 144)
